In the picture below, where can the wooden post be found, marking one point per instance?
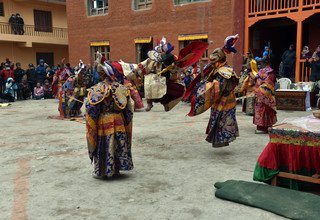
(298, 51)
(246, 27)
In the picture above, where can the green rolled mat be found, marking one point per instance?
(285, 202)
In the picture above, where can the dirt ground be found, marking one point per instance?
(46, 173)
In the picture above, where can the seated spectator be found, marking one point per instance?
(23, 89)
(47, 89)
(9, 90)
(38, 92)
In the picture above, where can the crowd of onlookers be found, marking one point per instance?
(36, 82)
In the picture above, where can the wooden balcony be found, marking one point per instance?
(33, 34)
(276, 8)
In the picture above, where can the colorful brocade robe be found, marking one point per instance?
(109, 114)
(217, 93)
(265, 114)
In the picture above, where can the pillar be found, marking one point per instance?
(298, 51)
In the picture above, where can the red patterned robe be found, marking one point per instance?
(265, 114)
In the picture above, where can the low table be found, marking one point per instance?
(293, 153)
(289, 99)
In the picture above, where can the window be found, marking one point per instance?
(142, 4)
(1, 9)
(42, 21)
(98, 7)
(180, 2)
(104, 50)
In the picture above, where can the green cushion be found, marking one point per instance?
(285, 202)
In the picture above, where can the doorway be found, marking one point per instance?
(47, 57)
(277, 33)
(142, 50)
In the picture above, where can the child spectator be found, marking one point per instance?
(38, 92)
(47, 89)
(10, 90)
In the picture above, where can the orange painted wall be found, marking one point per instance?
(25, 9)
(28, 55)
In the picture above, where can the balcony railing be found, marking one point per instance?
(305, 72)
(31, 30)
(272, 7)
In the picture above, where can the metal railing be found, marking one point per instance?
(31, 30)
(272, 7)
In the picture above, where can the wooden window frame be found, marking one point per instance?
(96, 11)
(42, 28)
(105, 52)
(142, 4)
(2, 9)
(184, 2)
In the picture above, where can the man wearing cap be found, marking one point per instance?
(41, 71)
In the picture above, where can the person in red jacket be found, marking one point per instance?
(6, 72)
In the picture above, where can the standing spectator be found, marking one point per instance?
(18, 75)
(55, 81)
(32, 77)
(8, 62)
(7, 72)
(41, 71)
(288, 60)
(38, 92)
(314, 64)
(20, 24)
(13, 22)
(305, 53)
(68, 67)
(2, 82)
(50, 74)
(314, 55)
(10, 90)
(88, 76)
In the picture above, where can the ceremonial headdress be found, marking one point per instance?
(229, 44)
(104, 66)
(162, 52)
